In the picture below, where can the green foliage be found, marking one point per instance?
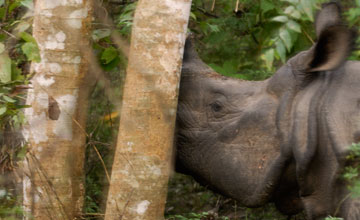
(110, 58)
(189, 200)
(5, 68)
(30, 47)
(354, 152)
(353, 18)
(99, 148)
(17, 49)
(333, 218)
(124, 19)
(351, 173)
(195, 216)
(258, 37)
(101, 126)
(353, 14)
(186, 196)
(9, 209)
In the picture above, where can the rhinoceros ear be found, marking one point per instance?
(190, 53)
(328, 16)
(333, 47)
(335, 40)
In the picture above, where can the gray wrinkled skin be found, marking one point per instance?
(281, 140)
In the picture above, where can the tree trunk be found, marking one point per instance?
(143, 155)
(55, 130)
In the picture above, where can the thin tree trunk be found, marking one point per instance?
(53, 166)
(142, 159)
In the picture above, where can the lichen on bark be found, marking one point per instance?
(53, 166)
(142, 160)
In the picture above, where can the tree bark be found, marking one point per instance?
(142, 160)
(53, 185)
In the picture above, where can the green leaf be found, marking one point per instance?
(2, 48)
(2, 37)
(230, 67)
(13, 6)
(130, 7)
(1, 2)
(307, 7)
(350, 173)
(266, 6)
(31, 50)
(293, 25)
(22, 26)
(22, 152)
(193, 16)
(280, 18)
(214, 28)
(100, 34)
(8, 99)
(2, 13)
(27, 37)
(353, 15)
(27, 3)
(2, 110)
(290, 9)
(5, 68)
(203, 26)
(281, 50)
(269, 58)
(128, 17)
(112, 65)
(355, 189)
(16, 73)
(291, 1)
(357, 3)
(333, 218)
(296, 14)
(109, 54)
(355, 149)
(286, 38)
(216, 67)
(292, 12)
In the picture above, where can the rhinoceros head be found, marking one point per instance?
(236, 136)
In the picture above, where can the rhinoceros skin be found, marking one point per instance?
(282, 140)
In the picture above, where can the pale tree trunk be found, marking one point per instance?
(53, 167)
(142, 164)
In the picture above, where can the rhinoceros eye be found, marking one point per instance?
(216, 106)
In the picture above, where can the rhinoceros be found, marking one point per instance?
(283, 140)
